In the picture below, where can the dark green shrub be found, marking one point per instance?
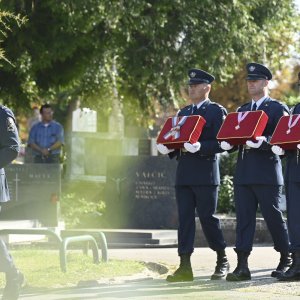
(226, 203)
(227, 169)
(82, 205)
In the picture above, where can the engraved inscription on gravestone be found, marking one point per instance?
(34, 191)
(140, 192)
(147, 186)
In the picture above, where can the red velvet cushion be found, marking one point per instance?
(282, 138)
(190, 131)
(252, 126)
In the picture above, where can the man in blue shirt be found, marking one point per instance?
(46, 137)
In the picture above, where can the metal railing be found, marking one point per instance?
(89, 237)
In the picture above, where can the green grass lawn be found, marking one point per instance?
(41, 268)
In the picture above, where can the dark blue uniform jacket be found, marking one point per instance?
(202, 167)
(261, 166)
(292, 173)
(9, 147)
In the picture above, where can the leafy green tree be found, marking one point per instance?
(5, 19)
(76, 48)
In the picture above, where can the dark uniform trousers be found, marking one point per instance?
(197, 181)
(292, 188)
(204, 198)
(6, 262)
(247, 198)
(258, 181)
(293, 217)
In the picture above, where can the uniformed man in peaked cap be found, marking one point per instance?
(198, 178)
(258, 179)
(9, 148)
(292, 190)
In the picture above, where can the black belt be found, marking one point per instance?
(183, 152)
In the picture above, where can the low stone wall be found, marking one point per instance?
(228, 225)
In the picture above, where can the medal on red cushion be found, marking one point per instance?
(241, 117)
(292, 124)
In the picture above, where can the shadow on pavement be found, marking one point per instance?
(151, 288)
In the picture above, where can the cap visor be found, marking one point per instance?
(197, 81)
(256, 77)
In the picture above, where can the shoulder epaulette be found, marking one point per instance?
(245, 104)
(294, 107)
(275, 102)
(242, 105)
(220, 106)
(184, 108)
(7, 111)
(217, 104)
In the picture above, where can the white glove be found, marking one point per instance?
(163, 149)
(192, 147)
(298, 146)
(226, 146)
(256, 145)
(277, 150)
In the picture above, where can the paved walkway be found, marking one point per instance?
(153, 286)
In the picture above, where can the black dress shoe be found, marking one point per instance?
(289, 276)
(181, 275)
(242, 271)
(184, 272)
(239, 274)
(293, 273)
(222, 266)
(284, 263)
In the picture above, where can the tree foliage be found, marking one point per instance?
(5, 18)
(75, 47)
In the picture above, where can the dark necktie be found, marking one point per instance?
(254, 107)
(194, 109)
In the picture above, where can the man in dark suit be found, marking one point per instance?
(198, 178)
(258, 179)
(292, 188)
(9, 148)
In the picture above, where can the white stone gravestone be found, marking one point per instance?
(84, 120)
